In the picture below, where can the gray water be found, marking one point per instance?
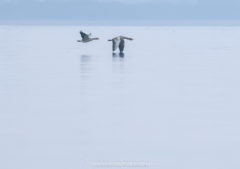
(171, 102)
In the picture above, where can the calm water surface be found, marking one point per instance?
(172, 100)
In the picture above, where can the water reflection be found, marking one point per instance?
(114, 55)
(118, 71)
(122, 55)
(85, 58)
(85, 73)
(85, 66)
(118, 56)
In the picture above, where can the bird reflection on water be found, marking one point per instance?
(85, 58)
(118, 56)
(85, 66)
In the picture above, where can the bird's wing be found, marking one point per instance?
(116, 42)
(84, 35)
(124, 37)
(121, 45)
(114, 46)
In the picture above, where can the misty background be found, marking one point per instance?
(119, 11)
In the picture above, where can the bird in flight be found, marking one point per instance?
(119, 42)
(86, 37)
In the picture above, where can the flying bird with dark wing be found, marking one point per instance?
(86, 37)
(119, 42)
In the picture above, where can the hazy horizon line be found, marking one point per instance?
(125, 22)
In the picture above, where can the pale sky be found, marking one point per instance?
(114, 10)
